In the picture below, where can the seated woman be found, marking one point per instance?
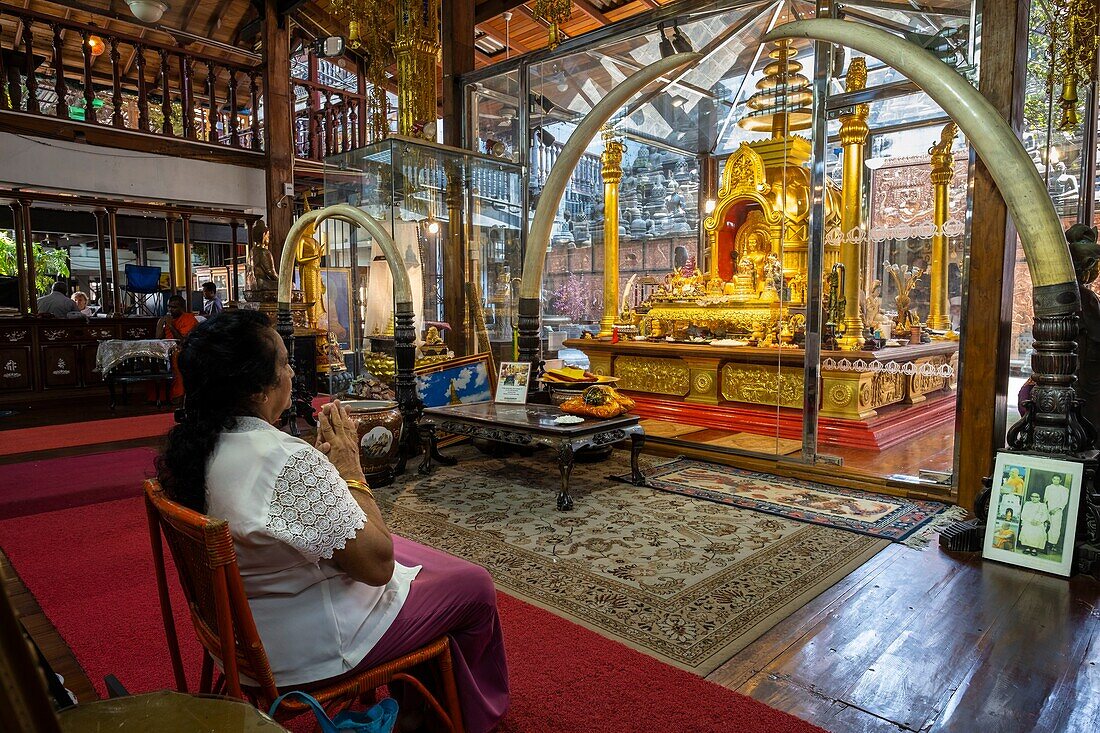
(330, 588)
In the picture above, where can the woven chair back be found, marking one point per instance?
(206, 562)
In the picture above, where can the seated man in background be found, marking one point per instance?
(176, 324)
(57, 303)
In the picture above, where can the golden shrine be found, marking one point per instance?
(758, 235)
(721, 346)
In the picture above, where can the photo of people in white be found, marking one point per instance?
(1031, 511)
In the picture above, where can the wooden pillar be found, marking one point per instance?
(170, 238)
(233, 295)
(28, 254)
(26, 288)
(983, 384)
(116, 287)
(186, 219)
(458, 58)
(101, 242)
(278, 133)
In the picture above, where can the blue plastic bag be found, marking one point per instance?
(379, 719)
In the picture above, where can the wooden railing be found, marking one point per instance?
(330, 121)
(56, 68)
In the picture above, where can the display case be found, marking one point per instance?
(455, 217)
(753, 237)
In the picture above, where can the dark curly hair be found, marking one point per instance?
(224, 361)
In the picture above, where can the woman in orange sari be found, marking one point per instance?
(175, 325)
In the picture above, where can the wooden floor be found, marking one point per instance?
(911, 641)
(924, 641)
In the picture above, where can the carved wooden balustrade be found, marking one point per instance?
(73, 72)
(330, 107)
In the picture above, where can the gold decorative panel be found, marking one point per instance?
(763, 385)
(649, 374)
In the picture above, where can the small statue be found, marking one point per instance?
(308, 255)
(1086, 263)
(870, 304)
(433, 343)
(773, 278)
(260, 276)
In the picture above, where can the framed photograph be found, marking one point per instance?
(512, 382)
(462, 381)
(1033, 512)
(337, 316)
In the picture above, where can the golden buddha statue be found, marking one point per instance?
(308, 256)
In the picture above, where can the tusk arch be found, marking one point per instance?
(550, 198)
(1010, 166)
(402, 291)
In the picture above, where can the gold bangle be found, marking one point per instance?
(357, 485)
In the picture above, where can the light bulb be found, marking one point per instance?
(710, 206)
(433, 226)
(147, 11)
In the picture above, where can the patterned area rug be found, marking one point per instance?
(894, 518)
(682, 579)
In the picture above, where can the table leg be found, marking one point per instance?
(637, 442)
(427, 433)
(111, 390)
(565, 466)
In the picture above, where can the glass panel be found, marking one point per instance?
(719, 364)
(424, 195)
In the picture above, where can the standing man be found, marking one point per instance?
(1057, 497)
(1033, 530)
(211, 303)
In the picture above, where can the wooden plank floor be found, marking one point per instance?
(910, 641)
(924, 641)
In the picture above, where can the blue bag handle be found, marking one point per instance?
(379, 719)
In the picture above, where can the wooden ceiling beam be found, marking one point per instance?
(189, 11)
(586, 7)
(215, 17)
(490, 9)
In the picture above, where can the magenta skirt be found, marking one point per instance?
(454, 597)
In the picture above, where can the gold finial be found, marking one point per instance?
(856, 78)
(942, 161)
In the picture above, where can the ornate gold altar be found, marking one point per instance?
(721, 346)
(758, 235)
(683, 380)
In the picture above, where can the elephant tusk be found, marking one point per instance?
(344, 212)
(1012, 169)
(552, 192)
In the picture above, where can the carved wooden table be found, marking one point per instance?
(534, 426)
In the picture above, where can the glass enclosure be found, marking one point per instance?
(423, 194)
(751, 313)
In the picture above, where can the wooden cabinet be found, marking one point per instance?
(57, 357)
(15, 368)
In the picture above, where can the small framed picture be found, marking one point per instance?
(512, 382)
(1033, 512)
(461, 381)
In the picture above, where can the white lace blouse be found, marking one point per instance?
(288, 511)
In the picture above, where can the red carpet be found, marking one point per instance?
(60, 483)
(91, 572)
(50, 437)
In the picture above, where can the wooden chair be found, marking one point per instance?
(202, 549)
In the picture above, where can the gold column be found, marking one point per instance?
(943, 170)
(612, 172)
(853, 136)
(417, 52)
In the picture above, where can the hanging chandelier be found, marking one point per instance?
(1073, 46)
(554, 12)
(368, 23)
